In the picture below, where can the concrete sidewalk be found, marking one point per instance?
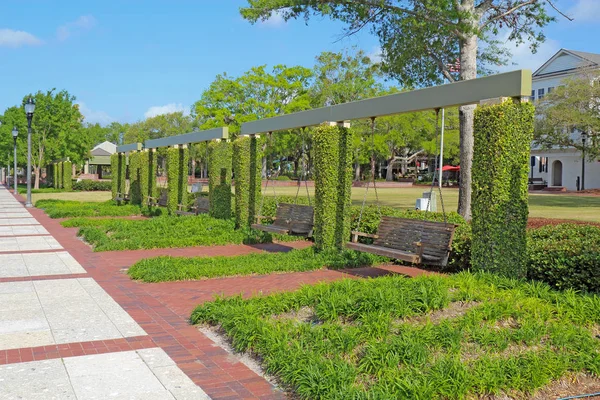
(62, 336)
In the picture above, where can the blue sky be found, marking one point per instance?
(125, 60)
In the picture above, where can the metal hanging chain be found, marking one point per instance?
(264, 192)
(305, 171)
(372, 177)
(437, 168)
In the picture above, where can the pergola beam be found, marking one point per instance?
(187, 138)
(515, 84)
(126, 148)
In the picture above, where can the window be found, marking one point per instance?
(540, 94)
(550, 89)
(533, 95)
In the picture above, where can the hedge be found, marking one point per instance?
(67, 183)
(55, 181)
(502, 138)
(135, 194)
(333, 184)
(88, 185)
(114, 168)
(247, 169)
(177, 163)
(219, 179)
(565, 256)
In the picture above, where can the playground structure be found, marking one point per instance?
(501, 94)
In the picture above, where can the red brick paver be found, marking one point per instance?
(162, 310)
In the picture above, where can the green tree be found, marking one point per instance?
(568, 111)
(420, 38)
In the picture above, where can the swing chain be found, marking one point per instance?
(437, 168)
(372, 178)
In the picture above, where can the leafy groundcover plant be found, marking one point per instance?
(161, 269)
(162, 232)
(68, 209)
(433, 337)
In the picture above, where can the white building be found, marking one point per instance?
(561, 167)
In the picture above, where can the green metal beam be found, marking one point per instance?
(514, 84)
(193, 137)
(126, 148)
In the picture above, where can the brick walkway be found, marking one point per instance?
(163, 309)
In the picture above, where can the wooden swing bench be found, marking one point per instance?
(290, 219)
(395, 239)
(122, 197)
(161, 201)
(201, 206)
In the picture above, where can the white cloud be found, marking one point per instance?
(10, 38)
(275, 20)
(375, 55)
(83, 23)
(522, 57)
(586, 11)
(94, 117)
(166, 109)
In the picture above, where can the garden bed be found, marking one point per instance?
(434, 337)
(162, 269)
(106, 234)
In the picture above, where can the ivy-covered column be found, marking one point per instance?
(177, 176)
(246, 166)
(67, 180)
(60, 175)
(122, 173)
(333, 185)
(114, 173)
(502, 137)
(135, 193)
(219, 179)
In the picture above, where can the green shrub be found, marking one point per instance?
(247, 171)
(135, 193)
(177, 177)
(565, 256)
(219, 179)
(502, 138)
(333, 185)
(283, 178)
(162, 269)
(67, 182)
(88, 185)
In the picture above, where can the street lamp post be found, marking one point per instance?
(15, 133)
(29, 109)
(583, 138)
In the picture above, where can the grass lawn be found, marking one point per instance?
(162, 269)
(107, 234)
(586, 208)
(75, 196)
(435, 337)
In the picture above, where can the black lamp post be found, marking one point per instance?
(583, 138)
(15, 133)
(29, 109)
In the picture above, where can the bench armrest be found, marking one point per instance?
(356, 234)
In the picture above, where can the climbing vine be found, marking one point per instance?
(246, 166)
(219, 179)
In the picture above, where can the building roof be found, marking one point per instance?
(104, 149)
(565, 61)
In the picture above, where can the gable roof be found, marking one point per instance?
(104, 149)
(582, 60)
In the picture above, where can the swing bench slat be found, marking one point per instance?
(413, 241)
(290, 219)
(161, 201)
(122, 197)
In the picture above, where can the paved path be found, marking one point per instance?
(62, 336)
(160, 310)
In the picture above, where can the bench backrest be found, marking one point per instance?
(401, 234)
(202, 204)
(295, 217)
(163, 198)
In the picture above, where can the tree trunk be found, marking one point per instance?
(468, 70)
(356, 171)
(193, 168)
(36, 171)
(389, 172)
